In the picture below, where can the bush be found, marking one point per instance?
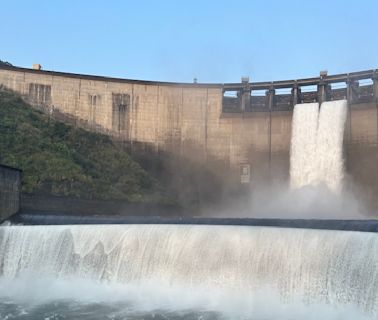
(62, 160)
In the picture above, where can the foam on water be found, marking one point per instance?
(228, 269)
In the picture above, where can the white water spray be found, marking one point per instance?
(303, 145)
(317, 145)
(336, 269)
(329, 144)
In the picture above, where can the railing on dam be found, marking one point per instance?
(357, 87)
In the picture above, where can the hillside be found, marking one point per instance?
(58, 159)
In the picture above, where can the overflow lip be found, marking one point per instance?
(370, 225)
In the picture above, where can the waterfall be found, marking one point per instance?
(316, 155)
(303, 145)
(336, 268)
(329, 144)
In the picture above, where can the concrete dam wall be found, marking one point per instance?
(10, 188)
(235, 135)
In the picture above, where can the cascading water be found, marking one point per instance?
(226, 269)
(317, 145)
(303, 145)
(329, 144)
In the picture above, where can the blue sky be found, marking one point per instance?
(215, 41)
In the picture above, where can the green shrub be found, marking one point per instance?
(62, 160)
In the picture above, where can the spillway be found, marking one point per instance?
(316, 155)
(303, 161)
(336, 269)
(329, 144)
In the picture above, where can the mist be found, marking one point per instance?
(154, 297)
(234, 272)
(282, 202)
(309, 202)
(317, 178)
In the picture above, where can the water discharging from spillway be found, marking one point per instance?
(317, 145)
(234, 271)
(303, 145)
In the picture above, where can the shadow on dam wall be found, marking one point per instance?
(361, 177)
(203, 183)
(61, 206)
(193, 184)
(195, 189)
(205, 190)
(197, 180)
(10, 187)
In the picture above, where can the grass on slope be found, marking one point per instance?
(59, 159)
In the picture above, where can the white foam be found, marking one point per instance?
(303, 145)
(296, 267)
(329, 144)
(317, 145)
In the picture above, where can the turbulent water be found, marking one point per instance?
(329, 143)
(303, 145)
(186, 272)
(317, 145)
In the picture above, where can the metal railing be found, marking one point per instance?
(356, 87)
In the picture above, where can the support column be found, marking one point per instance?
(322, 94)
(295, 95)
(375, 90)
(348, 128)
(246, 94)
(375, 86)
(352, 90)
(270, 97)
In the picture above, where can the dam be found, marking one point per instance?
(214, 140)
(208, 268)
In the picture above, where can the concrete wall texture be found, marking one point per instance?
(10, 187)
(186, 123)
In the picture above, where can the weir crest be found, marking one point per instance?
(333, 268)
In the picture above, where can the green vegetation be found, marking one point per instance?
(59, 159)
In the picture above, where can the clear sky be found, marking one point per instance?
(215, 41)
